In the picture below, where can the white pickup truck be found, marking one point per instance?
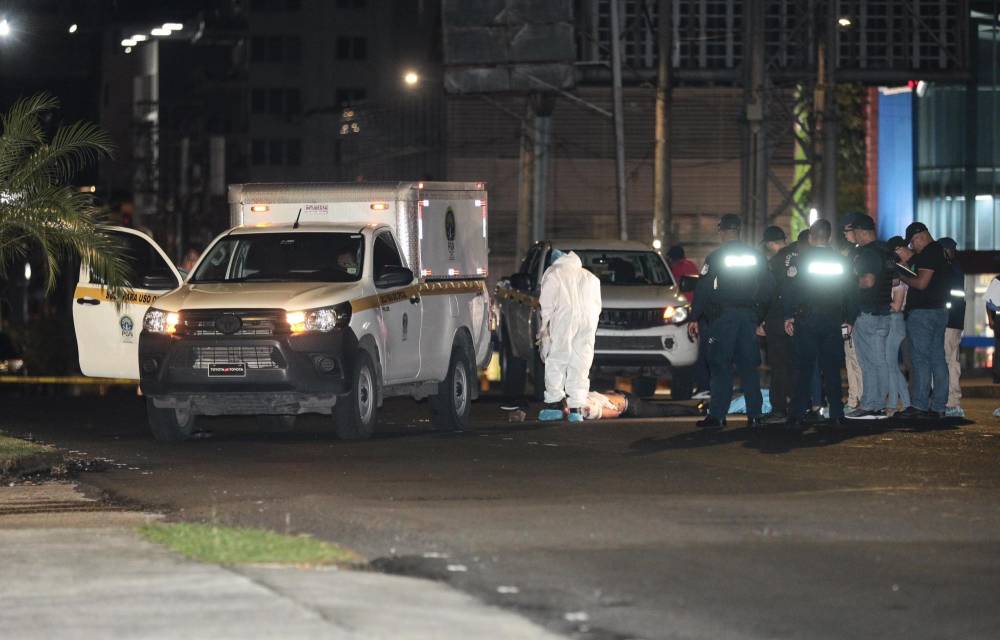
(642, 331)
(322, 298)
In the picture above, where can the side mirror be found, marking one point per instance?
(159, 282)
(689, 283)
(394, 276)
(521, 281)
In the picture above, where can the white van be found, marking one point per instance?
(323, 298)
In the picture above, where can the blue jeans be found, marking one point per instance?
(870, 336)
(926, 331)
(899, 393)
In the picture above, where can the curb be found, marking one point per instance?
(30, 464)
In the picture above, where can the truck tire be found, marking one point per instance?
(537, 377)
(512, 369)
(451, 407)
(276, 423)
(644, 386)
(169, 425)
(355, 412)
(681, 383)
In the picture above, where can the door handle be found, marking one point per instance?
(415, 299)
(87, 301)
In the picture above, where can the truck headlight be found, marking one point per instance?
(159, 321)
(322, 320)
(675, 315)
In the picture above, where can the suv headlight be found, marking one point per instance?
(159, 321)
(322, 320)
(675, 315)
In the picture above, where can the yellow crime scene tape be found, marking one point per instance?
(64, 380)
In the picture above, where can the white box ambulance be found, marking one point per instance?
(323, 298)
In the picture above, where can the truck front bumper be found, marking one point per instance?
(651, 351)
(274, 374)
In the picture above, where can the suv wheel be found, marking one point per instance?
(169, 425)
(681, 383)
(512, 369)
(451, 407)
(354, 414)
(644, 386)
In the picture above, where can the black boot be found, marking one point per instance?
(708, 422)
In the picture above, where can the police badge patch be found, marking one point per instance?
(704, 269)
(792, 271)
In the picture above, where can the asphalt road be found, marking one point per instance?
(644, 529)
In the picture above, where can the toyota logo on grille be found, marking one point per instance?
(228, 324)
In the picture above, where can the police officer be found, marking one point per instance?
(817, 302)
(780, 357)
(733, 283)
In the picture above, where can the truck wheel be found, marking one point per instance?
(276, 423)
(169, 425)
(451, 407)
(681, 383)
(512, 369)
(644, 386)
(354, 413)
(538, 377)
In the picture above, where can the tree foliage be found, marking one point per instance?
(39, 208)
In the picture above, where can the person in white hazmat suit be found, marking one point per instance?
(570, 303)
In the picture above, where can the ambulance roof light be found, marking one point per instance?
(260, 208)
(379, 206)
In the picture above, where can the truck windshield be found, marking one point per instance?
(284, 257)
(626, 267)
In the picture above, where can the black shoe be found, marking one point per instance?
(708, 422)
(774, 418)
(932, 415)
(812, 417)
(910, 413)
(756, 422)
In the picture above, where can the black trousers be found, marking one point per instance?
(818, 341)
(781, 361)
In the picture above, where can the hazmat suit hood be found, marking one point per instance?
(567, 259)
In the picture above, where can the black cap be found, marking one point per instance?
(895, 242)
(948, 243)
(676, 252)
(730, 221)
(774, 234)
(848, 220)
(861, 221)
(914, 229)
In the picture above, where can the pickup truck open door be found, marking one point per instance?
(107, 335)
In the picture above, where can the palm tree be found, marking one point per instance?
(39, 209)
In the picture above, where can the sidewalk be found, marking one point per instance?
(72, 570)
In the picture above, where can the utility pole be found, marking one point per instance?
(526, 184)
(662, 224)
(619, 117)
(543, 104)
(827, 63)
(755, 169)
